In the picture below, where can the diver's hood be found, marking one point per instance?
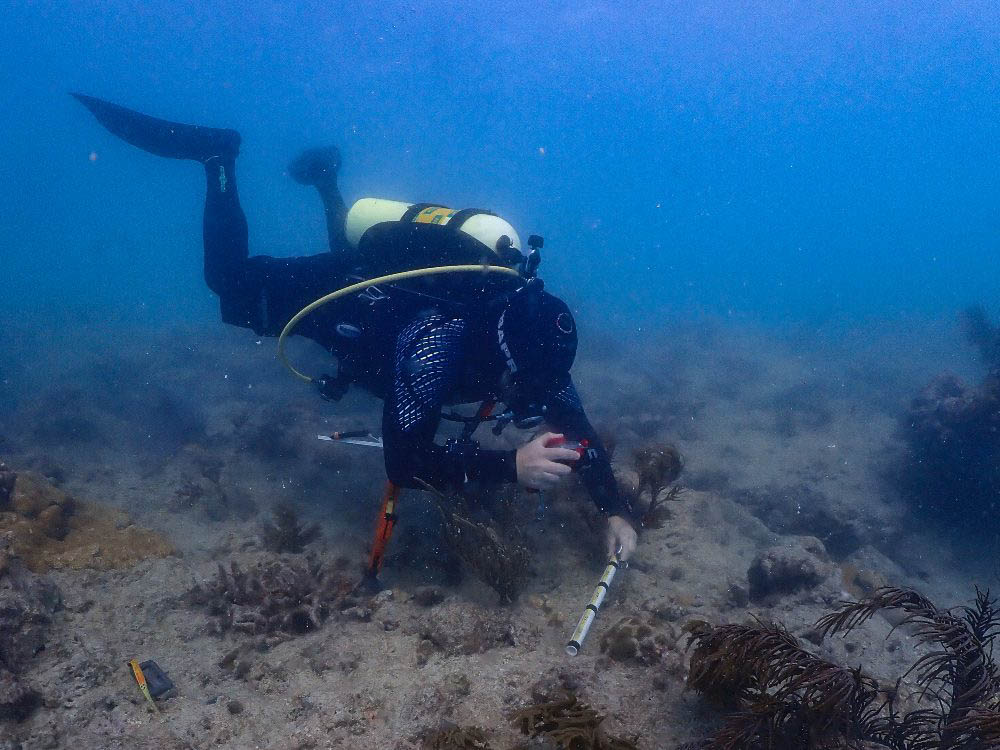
(536, 336)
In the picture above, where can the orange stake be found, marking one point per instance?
(383, 527)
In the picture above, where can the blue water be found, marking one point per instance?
(715, 178)
(802, 161)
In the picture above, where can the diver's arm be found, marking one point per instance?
(566, 415)
(429, 354)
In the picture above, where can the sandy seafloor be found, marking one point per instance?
(783, 434)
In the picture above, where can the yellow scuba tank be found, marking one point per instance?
(436, 256)
(483, 226)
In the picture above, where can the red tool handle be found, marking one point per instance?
(561, 442)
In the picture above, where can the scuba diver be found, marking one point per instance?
(419, 346)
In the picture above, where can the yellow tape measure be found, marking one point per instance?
(140, 679)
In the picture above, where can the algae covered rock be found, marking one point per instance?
(803, 509)
(952, 466)
(47, 529)
(36, 498)
(17, 700)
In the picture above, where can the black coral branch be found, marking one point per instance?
(499, 561)
(785, 697)
(960, 671)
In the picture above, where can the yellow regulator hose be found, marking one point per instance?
(401, 276)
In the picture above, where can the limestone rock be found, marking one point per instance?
(802, 564)
(7, 480)
(27, 604)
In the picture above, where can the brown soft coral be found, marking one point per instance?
(657, 466)
(456, 738)
(290, 597)
(285, 533)
(569, 723)
(502, 561)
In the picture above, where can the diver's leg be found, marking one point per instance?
(224, 225)
(224, 228)
(336, 215)
(318, 167)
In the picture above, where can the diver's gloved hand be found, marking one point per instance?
(332, 388)
(540, 467)
(621, 534)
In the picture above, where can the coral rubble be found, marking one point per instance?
(287, 597)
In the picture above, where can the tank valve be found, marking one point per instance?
(530, 266)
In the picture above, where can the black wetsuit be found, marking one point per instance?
(417, 363)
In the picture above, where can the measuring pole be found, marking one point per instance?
(590, 612)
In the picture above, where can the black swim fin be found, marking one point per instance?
(316, 166)
(173, 140)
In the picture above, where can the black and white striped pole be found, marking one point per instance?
(590, 613)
